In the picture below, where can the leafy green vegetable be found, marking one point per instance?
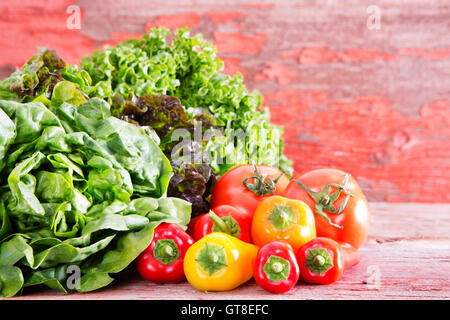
(7, 136)
(161, 87)
(11, 281)
(43, 76)
(193, 178)
(91, 159)
(161, 112)
(80, 189)
(189, 69)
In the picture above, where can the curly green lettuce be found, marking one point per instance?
(188, 68)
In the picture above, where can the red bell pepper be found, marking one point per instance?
(276, 268)
(223, 218)
(323, 260)
(162, 261)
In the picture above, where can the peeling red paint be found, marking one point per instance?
(24, 29)
(436, 118)
(290, 55)
(258, 5)
(275, 71)
(232, 66)
(430, 54)
(116, 37)
(313, 55)
(353, 136)
(175, 21)
(296, 96)
(366, 55)
(224, 16)
(322, 54)
(239, 43)
(398, 156)
(394, 199)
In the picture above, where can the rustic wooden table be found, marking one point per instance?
(407, 256)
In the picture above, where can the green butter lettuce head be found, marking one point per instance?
(126, 143)
(7, 136)
(81, 193)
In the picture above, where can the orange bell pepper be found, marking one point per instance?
(280, 218)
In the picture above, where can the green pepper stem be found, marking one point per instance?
(281, 217)
(168, 251)
(213, 257)
(319, 260)
(219, 222)
(277, 267)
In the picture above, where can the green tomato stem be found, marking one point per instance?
(262, 184)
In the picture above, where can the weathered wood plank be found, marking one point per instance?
(402, 221)
(407, 256)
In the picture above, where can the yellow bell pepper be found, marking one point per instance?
(280, 218)
(219, 262)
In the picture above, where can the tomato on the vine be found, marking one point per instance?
(341, 209)
(245, 186)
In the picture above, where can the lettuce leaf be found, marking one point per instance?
(42, 77)
(193, 179)
(80, 189)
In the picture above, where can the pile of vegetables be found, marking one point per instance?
(101, 166)
(267, 227)
(165, 86)
(79, 189)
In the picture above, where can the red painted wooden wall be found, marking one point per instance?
(372, 101)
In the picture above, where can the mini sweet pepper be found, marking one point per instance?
(162, 261)
(324, 260)
(280, 218)
(219, 262)
(276, 267)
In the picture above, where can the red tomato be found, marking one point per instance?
(354, 219)
(230, 188)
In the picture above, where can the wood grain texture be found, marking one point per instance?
(375, 103)
(406, 256)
